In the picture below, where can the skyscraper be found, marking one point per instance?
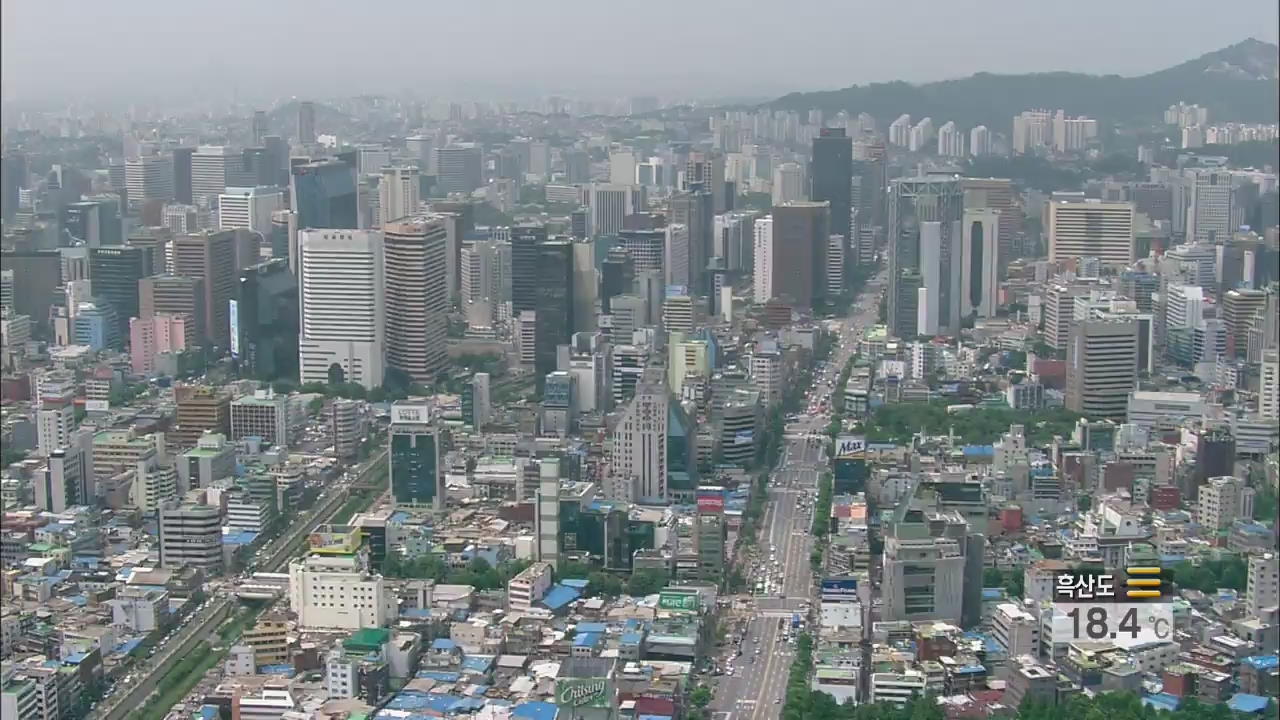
(1102, 367)
(415, 467)
(249, 208)
(343, 317)
(1091, 228)
(636, 453)
(457, 168)
(148, 178)
(979, 276)
(694, 210)
(1209, 207)
(798, 251)
(398, 193)
(416, 305)
(211, 257)
(554, 305)
(306, 123)
(788, 182)
(324, 195)
(213, 168)
(265, 342)
(831, 173)
(997, 194)
(525, 241)
(617, 276)
(610, 204)
(116, 272)
(912, 202)
(181, 158)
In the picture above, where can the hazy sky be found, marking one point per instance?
(64, 51)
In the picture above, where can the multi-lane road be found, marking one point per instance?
(757, 686)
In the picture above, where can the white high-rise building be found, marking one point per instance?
(213, 168)
(900, 131)
(1032, 131)
(636, 451)
(788, 183)
(950, 140)
(1221, 501)
(1091, 228)
(979, 264)
(190, 536)
(622, 167)
(1071, 134)
(1184, 307)
(1209, 208)
(980, 141)
(920, 135)
(399, 193)
(149, 178)
(1102, 367)
(250, 208)
(609, 204)
(416, 307)
(342, 292)
(1269, 385)
(763, 246)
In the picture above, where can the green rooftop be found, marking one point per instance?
(366, 640)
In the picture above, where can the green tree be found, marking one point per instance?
(603, 583)
(646, 582)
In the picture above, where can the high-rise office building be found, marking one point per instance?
(635, 452)
(913, 202)
(694, 209)
(116, 272)
(706, 170)
(325, 195)
(416, 306)
(343, 311)
(788, 183)
(457, 169)
(798, 250)
(554, 303)
(831, 176)
(525, 241)
(174, 295)
(201, 409)
(646, 248)
(585, 286)
(36, 274)
(190, 536)
(264, 340)
(1102, 367)
(416, 472)
(211, 256)
(249, 208)
(1269, 385)
(1209, 206)
(1091, 228)
(979, 253)
(610, 204)
(213, 169)
(421, 150)
(181, 158)
(617, 276)
(148, 178)
(941, 294)
(258, 126)
(306, 122)
(398, 193)
(997, 194)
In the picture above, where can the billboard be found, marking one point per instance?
(334, 543)
(839, 589)
(97, 405)
(711, 501)
(233, 315)
(583, 692)
(679, 600)
(743, 437)
(851, 447)
(410, 413)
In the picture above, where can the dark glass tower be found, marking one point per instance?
(524, 267)
(116, 272)
(415, 463)
(554, 305)
(617, 276)
(831, 176)
(324, 194)
(268, 321)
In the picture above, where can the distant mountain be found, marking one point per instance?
(1237, 83)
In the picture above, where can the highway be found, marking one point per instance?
(757, 686)
(129, 696)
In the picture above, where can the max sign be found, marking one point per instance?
(851, 446)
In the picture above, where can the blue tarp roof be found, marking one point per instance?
(74, 659)
(559, 596)
(592, 627)
(586, 640)
(535, 711)
(1162, 701)
(576, 583)
(1263, 662)
(208, 712)
(443, 644)
(979, 450)
(439, 676)
(1244, 702)
(631, 638)
(478, 663)
(239, 537)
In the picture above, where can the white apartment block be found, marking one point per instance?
(335, 592)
